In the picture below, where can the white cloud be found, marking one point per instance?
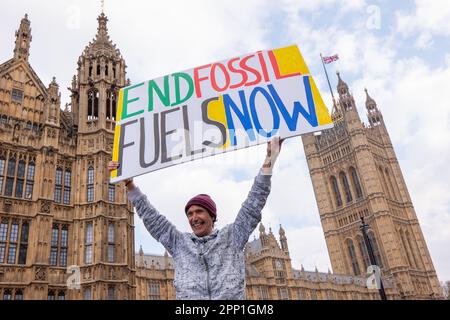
(430, 16)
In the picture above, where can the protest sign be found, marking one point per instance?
(215, 108)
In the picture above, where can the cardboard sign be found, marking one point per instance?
(215, 108)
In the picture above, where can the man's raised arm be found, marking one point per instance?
(250, 213)
(157, 225)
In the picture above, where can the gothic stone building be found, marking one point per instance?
(355, 174)
(58, 209)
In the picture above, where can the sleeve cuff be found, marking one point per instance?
(263, 177)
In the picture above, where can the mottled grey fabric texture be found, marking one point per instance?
(210, 267)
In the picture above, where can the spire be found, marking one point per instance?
(281, 232)
(373, 113)
(283, 240)
(141, 252)
(23, 40)
(100, 75)
(262, 229)
(370, 103)
(102, 30)
(53, 87)
(342, 87)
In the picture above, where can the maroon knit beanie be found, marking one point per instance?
(204, 201)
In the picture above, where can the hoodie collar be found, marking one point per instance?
(204, 239)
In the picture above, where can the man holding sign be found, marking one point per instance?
(211, 109)
(209, 263)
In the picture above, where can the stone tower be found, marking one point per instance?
(57, 208)
(104, 226)
(271, 259)
(355, 173)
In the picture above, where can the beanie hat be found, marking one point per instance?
(204, 201)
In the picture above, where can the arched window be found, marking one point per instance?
(3, 239)
(61, 295)
(18, 295)
(30, 181)
(63, 246)
(106, 70)
(98, 69)
(2, 173)
(348, 193)
(363, 250)
(51, 295)
(7, 294)
(111, 242)
(88, 243)
(90, 71)
(111, 101)
(20, 179)
(13, 240)
(93, 97)
(352, 254)
(90, 184)
(54, 245)
(356, 183)
(10, 174)
(375, 248)
(67, 183)
(23, 243)
(111, 293)
(87, 294)
(336, 192)
(58, 185)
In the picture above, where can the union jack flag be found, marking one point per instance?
(330, 59)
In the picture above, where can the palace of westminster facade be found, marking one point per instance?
(58, 209)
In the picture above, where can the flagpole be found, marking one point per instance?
(328, 80)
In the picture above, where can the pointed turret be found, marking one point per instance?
(373, 113)
(140, 260)
(54, 103)
(283, 240)
(342, 87)
(23, 40)
(262, 229)
(101, 73)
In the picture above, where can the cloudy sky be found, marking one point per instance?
(399, 50)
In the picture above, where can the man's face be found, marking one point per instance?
(200, 220)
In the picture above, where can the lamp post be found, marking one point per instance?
(368, 244)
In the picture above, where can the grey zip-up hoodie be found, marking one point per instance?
(210, 267)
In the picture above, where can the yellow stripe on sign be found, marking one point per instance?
(290, 61)
(119, 106)
(115, 153)
(323, 116)
(216, 111)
